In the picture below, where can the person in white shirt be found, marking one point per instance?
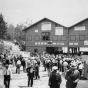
(65, 64)
(61, 65)
(7, 76)
(18, 66)
(80, 68)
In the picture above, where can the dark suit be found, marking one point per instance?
(7, 81)
(37, 71)
(55, 79)
(30, 75)
(71, 77)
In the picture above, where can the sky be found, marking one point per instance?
(64, 12)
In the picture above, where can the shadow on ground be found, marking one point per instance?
(23, 86)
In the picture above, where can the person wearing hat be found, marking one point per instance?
(54, 78)
(7, 76)
(30, 74)
(72, 76)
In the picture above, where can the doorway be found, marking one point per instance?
(54, 50)
(50, 50)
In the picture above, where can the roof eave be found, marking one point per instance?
(42, 20)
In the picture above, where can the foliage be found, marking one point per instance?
(3, 27)
(20, 35)
(10, 32)
(8, 36)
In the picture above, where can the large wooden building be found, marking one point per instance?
(78, 37)
(47, 35)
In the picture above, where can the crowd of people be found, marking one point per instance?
(30, 66)
(70, 66)
(63, 62)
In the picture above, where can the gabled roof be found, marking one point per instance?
(78, 23)
(41, 21)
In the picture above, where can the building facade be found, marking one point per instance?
(47, 35)
(78, 37)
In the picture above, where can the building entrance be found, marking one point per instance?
(73, 50)
(54, 50)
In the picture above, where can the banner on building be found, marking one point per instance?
(46, 26)
(58, 30)
(79, 28)
(86, 42)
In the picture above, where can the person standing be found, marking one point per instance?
(48, 67)
(44, 64)
(72, 77)
(65, 64)
(23, 63)
(18, 66)
(37, 70)
(7, 59)
(7, 76)
(55, 78)
(30, 74)
(80, 68)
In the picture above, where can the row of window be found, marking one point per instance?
(73, 37)
(55, 38)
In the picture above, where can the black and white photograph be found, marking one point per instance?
(43, 43)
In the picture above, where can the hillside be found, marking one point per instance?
(8, 44)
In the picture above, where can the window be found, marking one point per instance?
(86, 37)
(36, 37)
(45, 35)
(72, 37)
(81, 37)
(64, 38)
(29, 37)
(59, 37)
(54, 37)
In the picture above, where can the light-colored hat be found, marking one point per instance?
(54, 67)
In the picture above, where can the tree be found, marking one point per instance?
(10, 32)
(20, 35)
(8, 36)
(3, 27)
